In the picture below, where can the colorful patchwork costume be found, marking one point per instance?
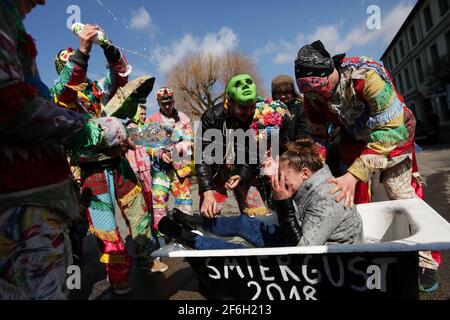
(37, 195)
(380, 127)
(172, 177)
(107, 180)
(140, 161)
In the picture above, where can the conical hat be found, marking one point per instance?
(125, 102)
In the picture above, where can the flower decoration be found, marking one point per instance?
(269, 115)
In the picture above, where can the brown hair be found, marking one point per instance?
(301, 154)
(283, 84)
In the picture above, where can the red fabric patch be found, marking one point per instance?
(96, 183)
(362, 194)
(27, 46)
(36, 171)
(12, 97)
(220, 197)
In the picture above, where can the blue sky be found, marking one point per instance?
(156, 34)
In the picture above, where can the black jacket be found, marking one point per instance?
(217, 118)
(298, 125)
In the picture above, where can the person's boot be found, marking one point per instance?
(158, 266)
(428, 280)
(192, 222)
(122, 288)
(178, 232)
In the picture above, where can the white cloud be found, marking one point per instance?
(335, 41)
(138, 72)
(140, 19)
(216, 44)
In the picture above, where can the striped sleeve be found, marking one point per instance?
(71, 80)
(116, 76)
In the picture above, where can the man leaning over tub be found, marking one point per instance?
(308, 213)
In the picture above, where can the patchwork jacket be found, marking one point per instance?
(74, 91)
(368, 106)
(183, 137)
(33, 130)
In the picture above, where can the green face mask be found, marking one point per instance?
(242, 89)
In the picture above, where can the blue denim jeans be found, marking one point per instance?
(252, 230)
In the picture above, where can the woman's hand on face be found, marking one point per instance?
(346, 184)
(281, 191)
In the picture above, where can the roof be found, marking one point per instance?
(407, 20)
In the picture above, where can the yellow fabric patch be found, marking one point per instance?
(159, 193)
(394, 123)
(373, 87)
(185, 171)
(104, 235)
(382, 147)
(5, 246)
(256, 211)
(161, 206)
(385, 147)
(107, 259)
(360, 170)
(129, 197)
(70, 105)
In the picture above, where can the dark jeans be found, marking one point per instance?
(253, 230)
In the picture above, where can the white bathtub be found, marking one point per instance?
(385, 267)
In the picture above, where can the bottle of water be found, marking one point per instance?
(101, 38)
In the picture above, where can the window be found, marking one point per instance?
(434, 56)
(395, 56)
(419, 70)
(408, 79)
(400, 83)
(402, 49)
(428, 19)
(413, 36)
(443, 6)
(447, 39)
(391, 66)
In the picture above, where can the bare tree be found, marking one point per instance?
(199, 80)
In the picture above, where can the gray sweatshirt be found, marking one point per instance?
(315, 218)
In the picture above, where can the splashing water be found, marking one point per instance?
(133, 52)
(136, 53)
(107, 10)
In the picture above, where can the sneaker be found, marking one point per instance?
(158, 266)
(192, 222)
(428, 280)
(122, 288)
(180, 233)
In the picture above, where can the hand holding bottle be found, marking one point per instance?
(88, 35)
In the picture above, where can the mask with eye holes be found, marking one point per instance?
(242, 89)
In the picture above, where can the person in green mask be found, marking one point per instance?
(215, 179)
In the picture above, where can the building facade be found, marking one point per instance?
(418, 59)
